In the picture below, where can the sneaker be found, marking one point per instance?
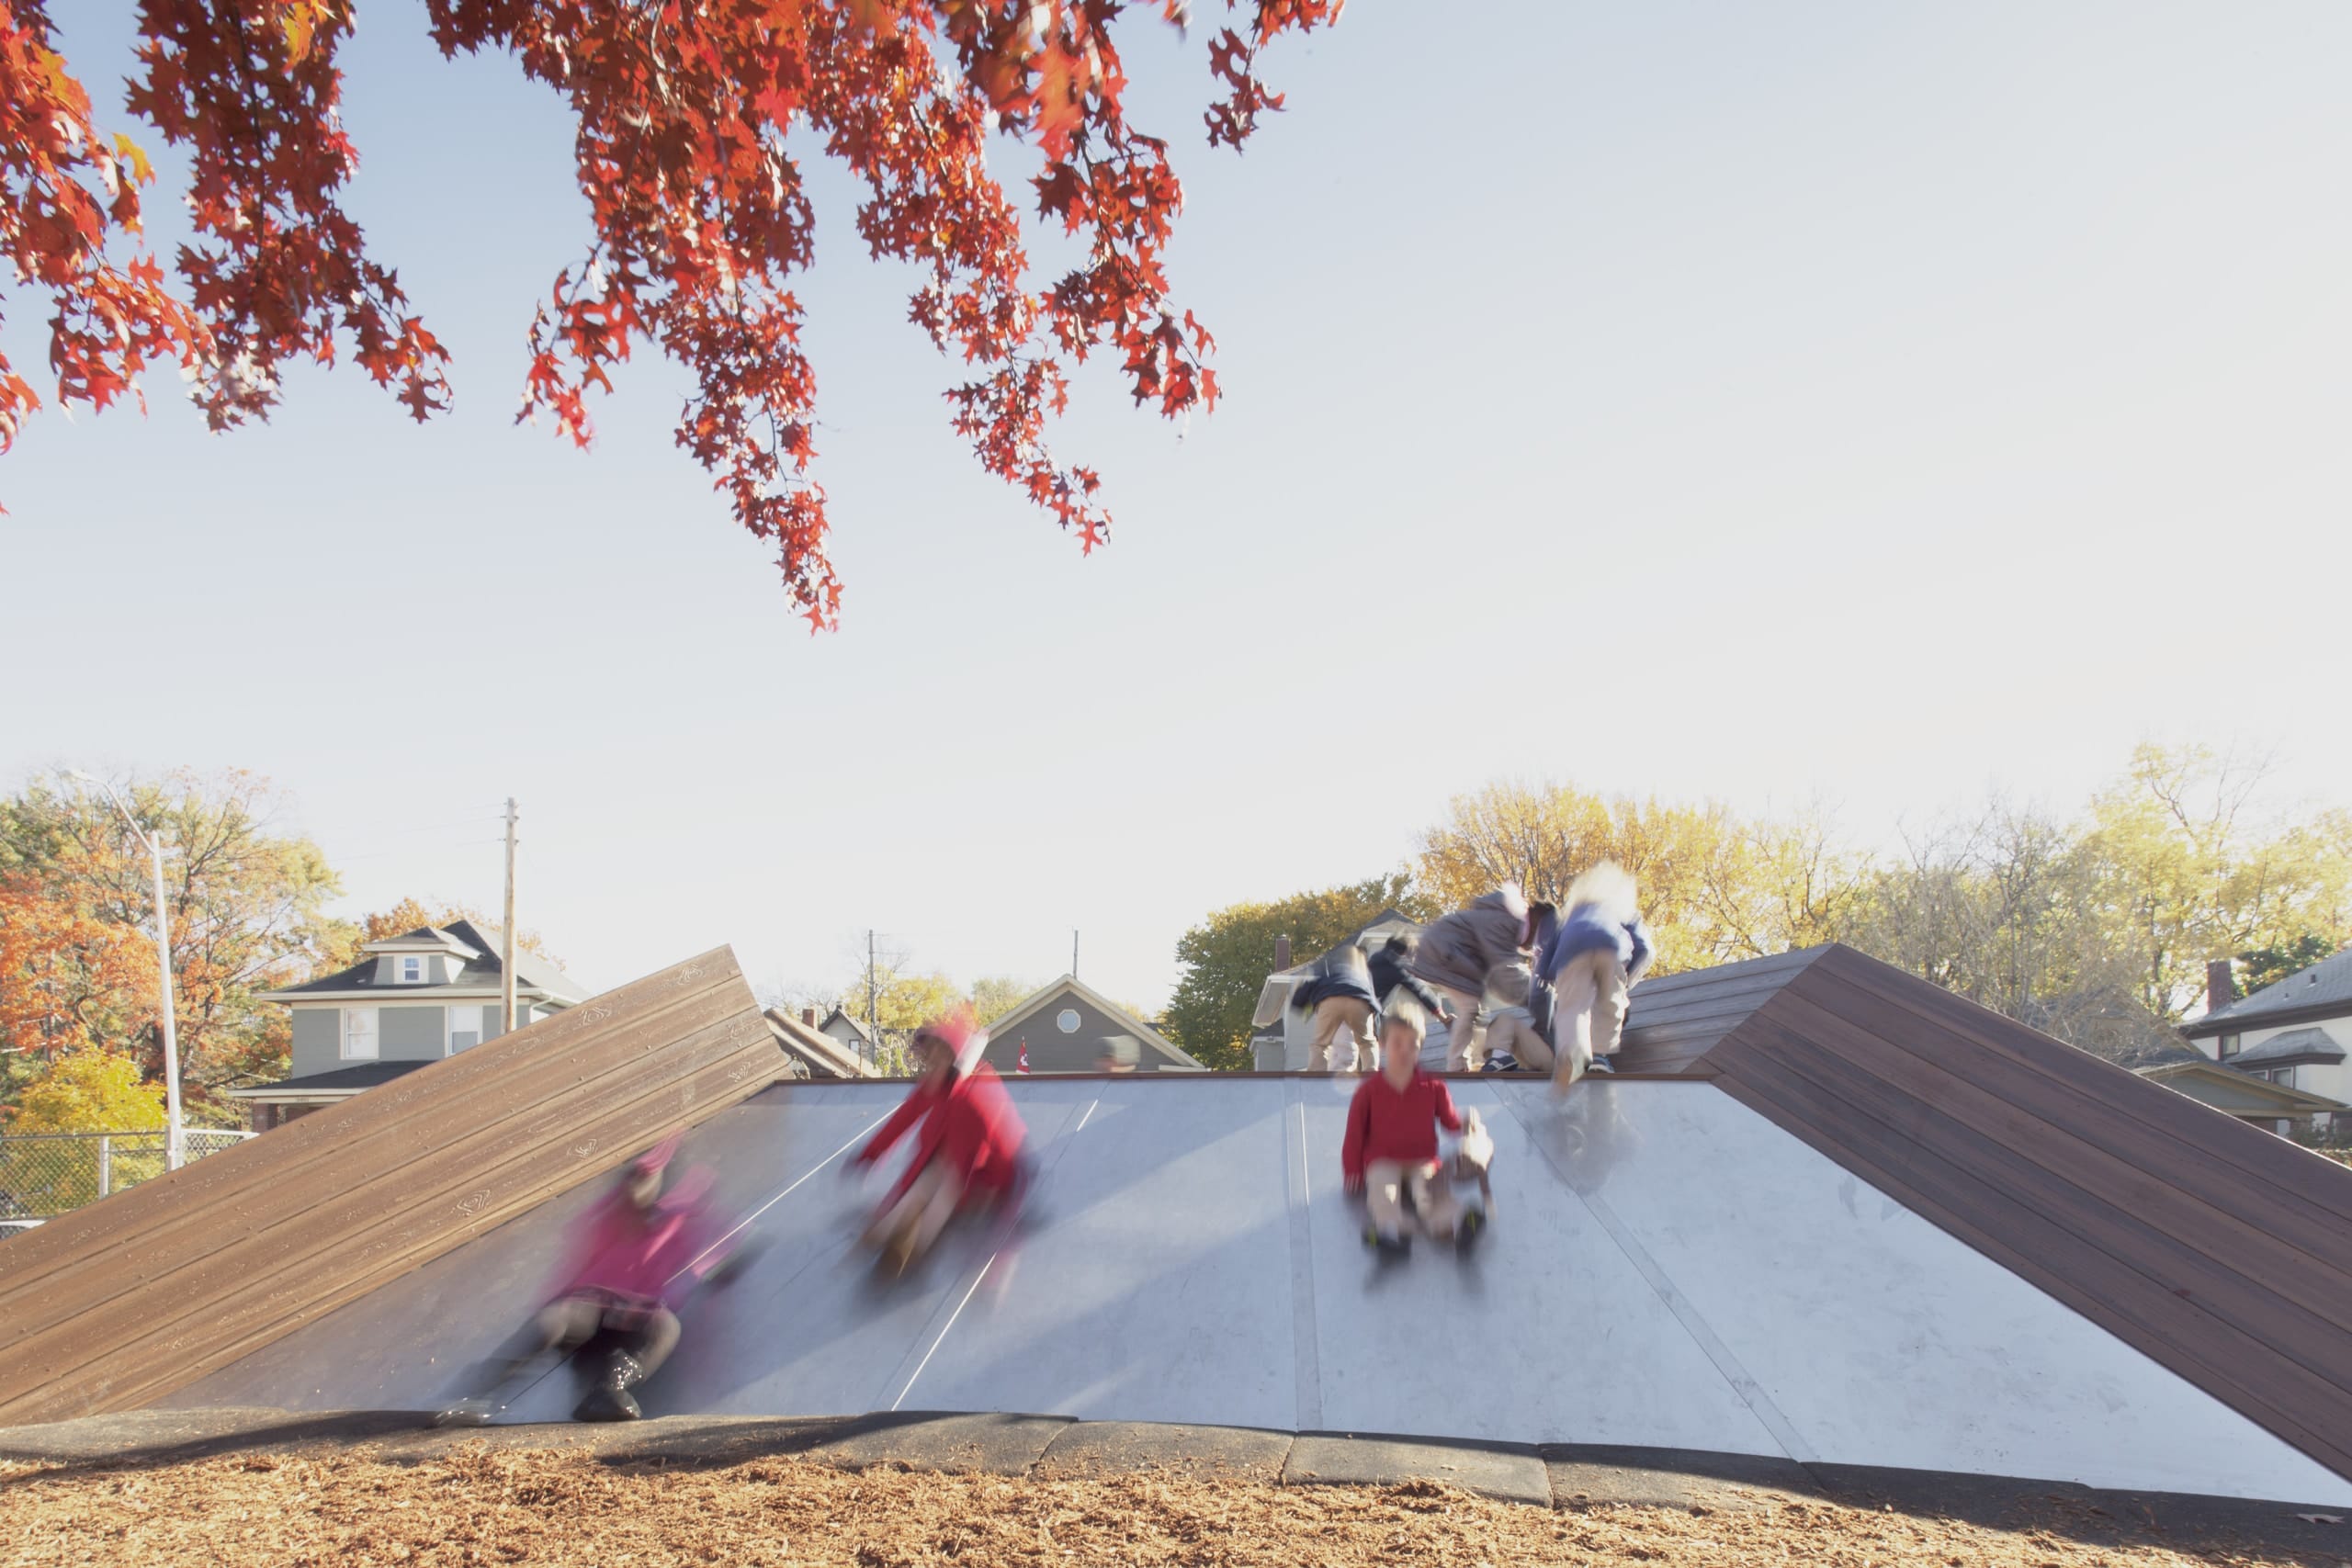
(1600, 1064)
(1501, 1064)
(465, 1413)
(1467, 1230)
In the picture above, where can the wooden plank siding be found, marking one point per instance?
(1673, 1022)
(2220, 1251)
(132, 1298)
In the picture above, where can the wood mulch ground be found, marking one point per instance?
(483, 1507)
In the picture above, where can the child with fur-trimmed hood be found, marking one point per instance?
(1602, 948)
(968, 1141)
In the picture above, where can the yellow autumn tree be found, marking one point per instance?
(86, 1090)
(1714, 886)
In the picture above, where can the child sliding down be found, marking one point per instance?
(969, 1143)
(1390, 1153)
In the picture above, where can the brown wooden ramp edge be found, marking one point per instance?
(123, 1302)
(2220, 1251)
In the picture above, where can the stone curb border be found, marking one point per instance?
(1547, 1475)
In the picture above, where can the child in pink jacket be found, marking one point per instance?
(633, 1258)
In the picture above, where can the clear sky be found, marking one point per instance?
(1878, 403)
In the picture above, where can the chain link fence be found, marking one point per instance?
(46, 1174)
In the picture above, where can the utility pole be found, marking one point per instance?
(175, 1134)
(873, 1030)
(1073, 955)
(506, 936)
(174, 1145)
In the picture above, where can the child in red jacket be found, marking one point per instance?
(967, 1142)
(1391, 1146)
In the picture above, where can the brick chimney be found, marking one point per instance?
(1282, 953)
(2220, 990)
(809, 1017)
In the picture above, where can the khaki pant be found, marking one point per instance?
(1463, 1053)
(1589, 1018)
(1335, 1016)
(1511, 1033)
(1385, 1185)
(910, 1225)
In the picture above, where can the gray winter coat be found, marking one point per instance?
(1458, 950)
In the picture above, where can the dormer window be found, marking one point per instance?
(412, 970)
(2229, 1046)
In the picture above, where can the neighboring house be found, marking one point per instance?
(1282, 1037)
(815, 1055)
(848, 1034)
(1067, 1027)
(413, 999)
(2117, 1027)
(2274, 1107)
(2296, 1033)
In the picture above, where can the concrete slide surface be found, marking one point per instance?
(1665, 1269)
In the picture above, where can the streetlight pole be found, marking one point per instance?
(172, 1142)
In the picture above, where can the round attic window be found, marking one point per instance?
(1067, 1020)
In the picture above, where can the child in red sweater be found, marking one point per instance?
(969, 1142)
(1391, 1146)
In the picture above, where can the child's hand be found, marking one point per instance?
(1352, 1186)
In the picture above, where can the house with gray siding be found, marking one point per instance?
(1069, 1028)
(2296, 1033)
(411, 999)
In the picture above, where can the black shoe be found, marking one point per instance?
(475, 1412)
(612, 1400)
(609, 1404)
(1468, 1229)
(1600, 1064)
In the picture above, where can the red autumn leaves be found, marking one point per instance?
(700, 216)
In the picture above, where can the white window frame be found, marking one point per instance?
(450, 1046)
(407, 978)
(352, 1038)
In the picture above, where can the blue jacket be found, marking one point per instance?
(1349, 971)
(1589, 930)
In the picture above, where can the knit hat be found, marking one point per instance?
(655, 1160)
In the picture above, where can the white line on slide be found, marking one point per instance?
(983, 1274)
(745, 1223)
(951, 1316)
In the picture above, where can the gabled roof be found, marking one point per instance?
(424, 939)
(2240, 1094)
(1151, 1038)
(856, 1028)
(820, 1052)
(2311, 1044)
(534, 977)
(2322, 991)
